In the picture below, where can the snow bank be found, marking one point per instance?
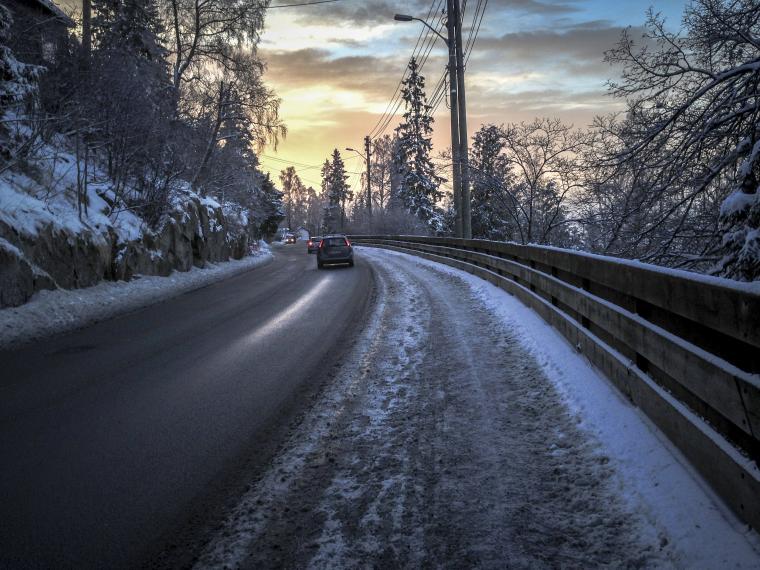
(28, 205)
(54, 312)
(652, 474)
(56, 247)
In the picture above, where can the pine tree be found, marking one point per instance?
(128, 51)
(419, 184)
(270, 206)
(328, 214)
(290, 181)
(493, 203)
(130, 27)
(336, 192)
(17, 80)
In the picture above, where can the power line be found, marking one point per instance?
(471, 44)
(425, 33)
(304, 4)
(301, 164)
(423, 60)
(439, 92)
(472, 24)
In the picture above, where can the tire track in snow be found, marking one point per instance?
(440, 443)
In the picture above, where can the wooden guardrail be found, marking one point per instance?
(684, 348)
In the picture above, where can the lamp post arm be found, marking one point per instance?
(408, 18)
(357, 152)
(432, 29)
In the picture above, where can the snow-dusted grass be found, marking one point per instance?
(652, 475)
(54, 312)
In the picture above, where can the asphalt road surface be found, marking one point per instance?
(440, 443)
(120, 441)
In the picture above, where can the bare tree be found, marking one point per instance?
(206, 32)
(691, 136)
(544, 159)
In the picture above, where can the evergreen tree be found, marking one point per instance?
(270, 207)
(328, 217)
(313, 211)
(382, 167)
(129, 27)
(336, 192)
(17, 80)
(493, 203)
(290, 181)
(418, 182)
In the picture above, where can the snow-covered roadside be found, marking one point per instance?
(61, 310)
(651, 474)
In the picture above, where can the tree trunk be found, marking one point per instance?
(212, 138)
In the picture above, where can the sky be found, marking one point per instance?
(337, 65)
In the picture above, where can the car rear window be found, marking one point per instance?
(335, 242)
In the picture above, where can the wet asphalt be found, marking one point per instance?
(121, 443)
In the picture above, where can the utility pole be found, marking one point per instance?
(87, 29)
(455, 146)
(459, 151)
(464, 165)
(368, 149)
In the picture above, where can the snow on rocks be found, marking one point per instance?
(56, 247)
(59, 311)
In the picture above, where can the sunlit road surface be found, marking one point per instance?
(116, 437)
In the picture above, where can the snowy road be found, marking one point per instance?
(447, 440)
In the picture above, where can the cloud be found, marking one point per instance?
(580, 46)
(336, 67)
(375, 77)
(381, 11)
(537, 7)
(359, 13)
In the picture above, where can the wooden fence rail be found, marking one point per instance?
(682, 347)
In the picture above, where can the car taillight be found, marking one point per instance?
(309, 243)
(348, 243)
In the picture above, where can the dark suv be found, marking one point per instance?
(335, 249)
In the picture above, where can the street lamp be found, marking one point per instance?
(407, 18)
(459, 150)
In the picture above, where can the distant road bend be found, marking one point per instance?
(113, 436)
